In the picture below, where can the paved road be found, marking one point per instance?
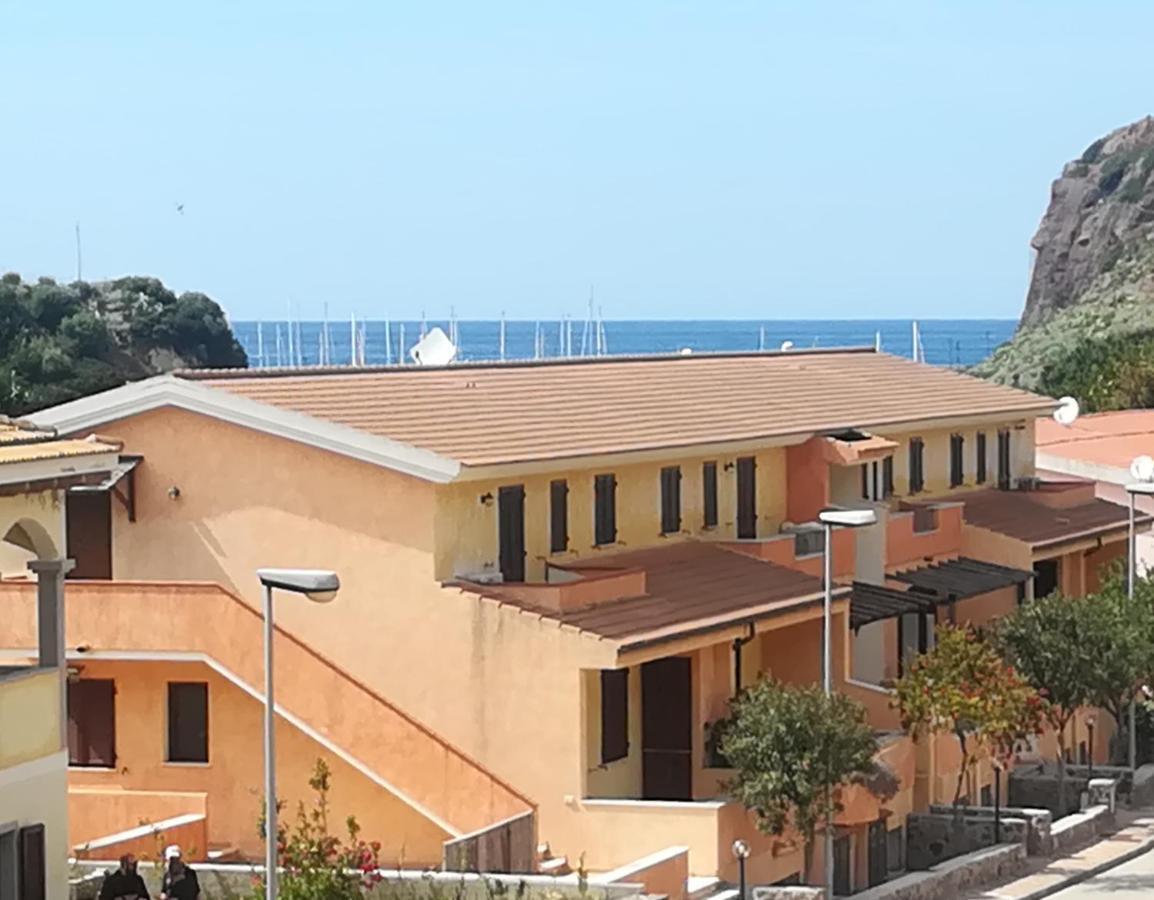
(1126, 882)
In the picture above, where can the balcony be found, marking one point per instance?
(801, 550)
(916, 532)
(30, 696)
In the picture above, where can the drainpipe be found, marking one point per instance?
(738, 643)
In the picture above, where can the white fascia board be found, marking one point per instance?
(1078, 468)
(33, 470)
(169, 390)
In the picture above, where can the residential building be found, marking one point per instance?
(554, 577)
(35, 470)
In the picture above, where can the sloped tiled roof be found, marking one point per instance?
(501, 413)
(1020, 515)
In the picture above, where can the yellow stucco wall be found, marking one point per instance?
(233, 777)
(29, 716)
(41, 515)
(36, 793)
(454, 662)
(467, 529)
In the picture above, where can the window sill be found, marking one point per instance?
(187, 765)
(73, 767)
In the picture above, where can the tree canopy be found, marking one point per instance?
(789, 746)
(1105, 373)
(59, 342)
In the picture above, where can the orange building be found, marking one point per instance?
(554, 577)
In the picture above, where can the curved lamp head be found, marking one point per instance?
(741, 849)
(1142, 468)
(847, 518)
(319, 585)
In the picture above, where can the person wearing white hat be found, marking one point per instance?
(180, 881)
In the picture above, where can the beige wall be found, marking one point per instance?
(36, 793)
(29, 716)
(41, 516)
(466, 534)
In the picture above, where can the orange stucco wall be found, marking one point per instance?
(233, 777)
(808, 481)
(96, 810)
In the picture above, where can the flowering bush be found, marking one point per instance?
(317, 865)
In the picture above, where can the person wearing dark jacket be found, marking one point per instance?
(124, 883)
(180, 881)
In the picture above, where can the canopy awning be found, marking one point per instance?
(874, 602)
(126, 468)
(852, 448)
(957, 579)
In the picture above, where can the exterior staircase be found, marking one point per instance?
(548, 864)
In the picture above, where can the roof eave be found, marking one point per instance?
(181, 393)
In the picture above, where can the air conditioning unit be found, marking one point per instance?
(484, 576)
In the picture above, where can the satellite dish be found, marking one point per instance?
(1142, 468)
(434, 349)
(686, 351)
(786, 345)
(1067, 411)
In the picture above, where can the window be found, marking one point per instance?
(511, 532)
(865, 481)
(604, 509)
(33, 876)
(671, 500)
(747, 497)
(1046, 577)
(957, 460)
(88, 526)
(9, 864)
(558, 516)
(895, 849)
(188, 722)
(917, 465)
(614, 714)
(709, 493)
(92, 723)
(1004, 473)
(987, 795)
(980, 460)
(888, 477)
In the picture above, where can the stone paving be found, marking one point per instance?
(1135, 835)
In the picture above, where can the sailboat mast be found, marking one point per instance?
(388, 343)
(502, 337)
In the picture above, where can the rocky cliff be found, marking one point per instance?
(1093, 272)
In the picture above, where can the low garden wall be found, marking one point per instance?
(933, 838)
(1038, 823)
(955, 877)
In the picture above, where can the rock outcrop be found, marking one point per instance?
(1094, 269)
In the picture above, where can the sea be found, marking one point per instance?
(945, 342)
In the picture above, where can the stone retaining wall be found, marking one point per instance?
(1038, 823)
(932, 839)
(954, 878)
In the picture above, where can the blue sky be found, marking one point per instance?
(707, 159)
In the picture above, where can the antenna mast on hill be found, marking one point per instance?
(78, 267)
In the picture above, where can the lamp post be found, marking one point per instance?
(741, 852)
(320, 586)
(1142, 470)
(997, 764)
(833, 518)
(1090, 722)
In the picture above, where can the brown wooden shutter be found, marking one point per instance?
(917, 480)
(88, 523)
(605, 509)
(33, 877)
(747, 497)
(188, 722)
(614, 714)
(511, 532)
(671, 500)
(558, 516)
(709, 493)
(980, 467)
(92, 722)
(888, 476)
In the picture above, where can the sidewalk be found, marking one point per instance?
(1134, 837)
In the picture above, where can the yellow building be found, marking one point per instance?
(554, 577)
(35, 469)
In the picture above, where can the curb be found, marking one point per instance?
(1098, 869)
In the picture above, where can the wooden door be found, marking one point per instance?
(92, 722)
(511, 531)
(747, 497)
(89, 527)
(878, 860)
(667, 729)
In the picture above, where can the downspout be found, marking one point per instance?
(738, 643)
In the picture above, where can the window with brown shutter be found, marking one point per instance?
(747, 497)
(88, 527)
(604, 509)
(957, 460)
(917, 460)
(33, 877)
(671, 500)
(1004, 474)
(188, 721)
(511, 532)
(614, 714)
(709, 494)
(558, 516)
(888, 477)
(92, 723)
(980, 461)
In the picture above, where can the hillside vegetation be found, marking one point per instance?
(59, 342)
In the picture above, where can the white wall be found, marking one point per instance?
(36, 793)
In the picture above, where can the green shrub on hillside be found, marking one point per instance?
(1110, 373)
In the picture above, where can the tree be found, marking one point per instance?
(1058, 643)
(963, 687)
(790, 746)
(315, 864)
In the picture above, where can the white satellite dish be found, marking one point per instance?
(434, 349)
(1067, 411)
(1142, 468)
(686, 351)
(786, 345)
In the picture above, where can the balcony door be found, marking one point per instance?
(88, 522)
(511, 531)
(667, 729)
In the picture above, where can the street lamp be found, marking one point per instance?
(833, 518)
(1142, 470)
(320, 586)
(741, 851)
(1090, 722)
(997, 764)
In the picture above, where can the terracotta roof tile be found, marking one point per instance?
(690, 586)
(61, 449)
(1109, 439)
(497, 413)
(1019, 514)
